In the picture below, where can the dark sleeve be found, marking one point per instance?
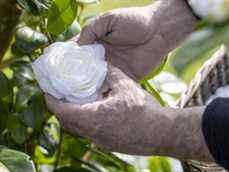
(215, 127)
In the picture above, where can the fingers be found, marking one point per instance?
(97, 28)
(66, 109)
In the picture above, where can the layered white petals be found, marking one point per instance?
(213, 10)
(72, 72)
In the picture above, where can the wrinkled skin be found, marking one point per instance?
(129, 120)
(137, 39)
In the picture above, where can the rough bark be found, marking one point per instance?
(9, 16)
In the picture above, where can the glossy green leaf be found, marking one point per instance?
(15, 161)
(33, 116)
(23, 73)
(24, 94)
(61, 15)
(198, 44)
(17, 129)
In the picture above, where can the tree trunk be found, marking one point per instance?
(9, 17)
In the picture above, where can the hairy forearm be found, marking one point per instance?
(181, 134)
(150, 130)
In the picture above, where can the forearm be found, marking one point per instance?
(166, 131)
(182, 133)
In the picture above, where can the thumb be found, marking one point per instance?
(97, 28)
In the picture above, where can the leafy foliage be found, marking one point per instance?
(14, 161)
(29, 130)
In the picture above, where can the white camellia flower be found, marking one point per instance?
(213, 10)
(71, 72)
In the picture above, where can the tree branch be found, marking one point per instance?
(9, 17)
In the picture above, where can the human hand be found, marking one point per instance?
(117, 122)
(129, 120)
(137, 39)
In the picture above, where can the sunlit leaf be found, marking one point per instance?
(159, 164)
(15, 161)
(61, 15)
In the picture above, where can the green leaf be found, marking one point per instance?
(72, 147)
(72, 169)
(61, 15)
(28, 5)
(24, 94)
(72, 30)
(33, 116)
(15, 161)
(5, 86)
(23, 73)
(17, 129)
(198, 44)
(150, 88)
(159, 164)
(35, 7)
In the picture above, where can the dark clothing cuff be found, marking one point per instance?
(215, 127)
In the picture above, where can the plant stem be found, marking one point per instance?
(8, 62)
(9, 17)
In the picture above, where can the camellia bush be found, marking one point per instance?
(31, 139)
